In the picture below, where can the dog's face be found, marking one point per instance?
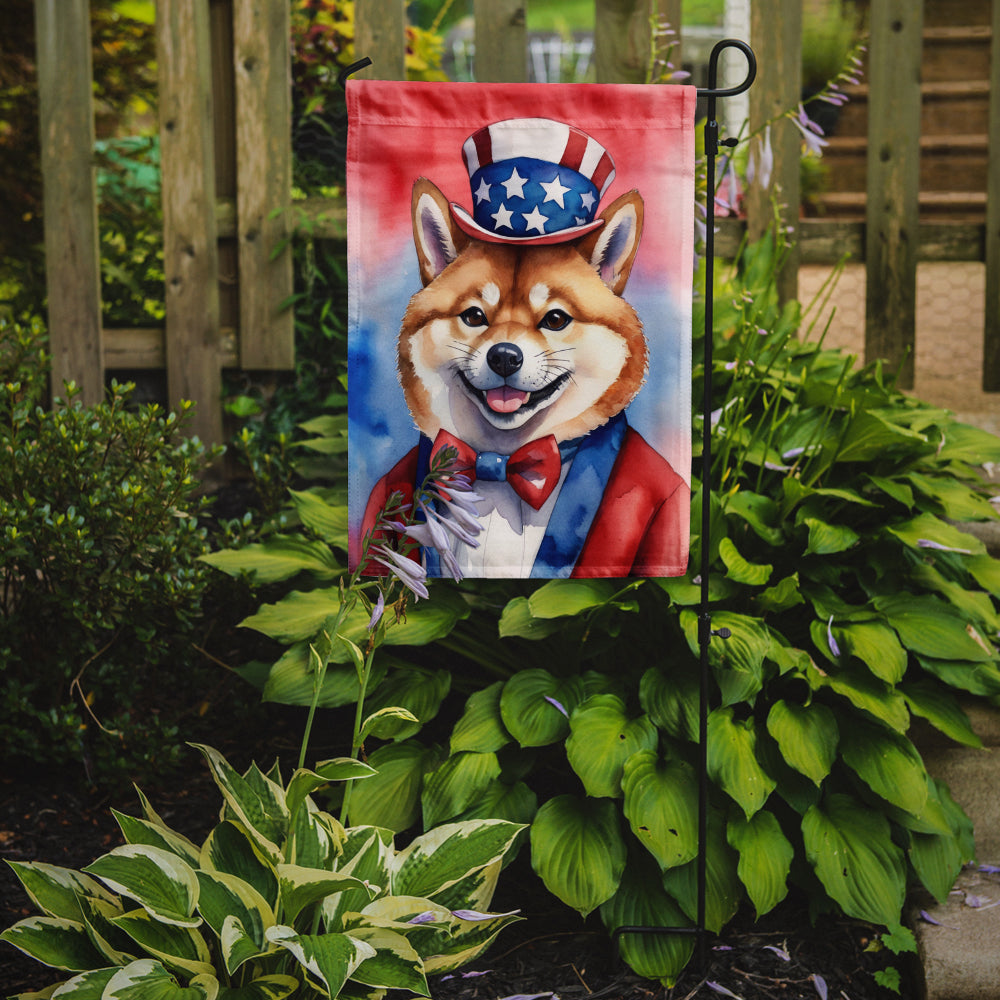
(506, 343)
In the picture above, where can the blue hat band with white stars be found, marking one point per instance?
(528, 198)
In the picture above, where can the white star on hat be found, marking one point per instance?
(554, 191)
(515, 185)
(502, 217)
(483, 194)
(587, 199)
(535, 220)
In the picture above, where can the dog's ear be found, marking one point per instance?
(611, 249)
(437, 239)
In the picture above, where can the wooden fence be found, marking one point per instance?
(226, 161)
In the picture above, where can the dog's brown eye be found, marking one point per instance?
(473, 316)
(555, 319)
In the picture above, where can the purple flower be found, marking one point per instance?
(761, 162)
(780, 952)
(811, 132)
(927, 543)
(834, 648)
(558, 705)
(820, 983)
(475, 915)
(377, 611)
(719, 988)
(410, 573)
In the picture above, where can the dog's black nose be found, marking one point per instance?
(504, 359)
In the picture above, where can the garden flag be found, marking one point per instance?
(520, 277)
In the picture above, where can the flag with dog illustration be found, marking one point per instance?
(520, 277)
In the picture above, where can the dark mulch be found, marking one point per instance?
(551, 951)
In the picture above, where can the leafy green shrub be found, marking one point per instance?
(101, 584)
(279, 899)
(855, 603)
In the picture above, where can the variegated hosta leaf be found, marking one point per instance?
(300, 887)
(256, 801)
(54, 941)
(578, 851)
(723, 889)
(158, 880)
(481, 727)
(230, 849)
(328, 959)
(367, 853)
(850, 847)
(304, 782)
(391, 799)
(418, 691)
(177, 947)
(274, 987)
(225, 897)
(535, 706)
(315, 838)
(732, 760)
(141, 831)
(56, 891)
(86, 986)
(395, 964)
(888, 763)
(642, 902)
(807, 736)
(765, 858)
(475, 891)
(456, 784)
(602, 737)
(116, 947)
(147, 979)
(661, 805)
(441, 857)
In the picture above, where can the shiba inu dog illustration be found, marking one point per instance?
(520, 352)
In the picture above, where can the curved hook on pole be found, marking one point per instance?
(353, 68)
(712, 90)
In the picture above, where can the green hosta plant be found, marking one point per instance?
(279, 900)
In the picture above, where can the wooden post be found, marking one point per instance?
(991, 333)
(622, 40)
(776, 35)
(380, 34)
(190, 254)
(501, 41)
(72, 255)
(262, 61)
(669, 12)
(893, 184)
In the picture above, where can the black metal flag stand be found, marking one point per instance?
(705, 631)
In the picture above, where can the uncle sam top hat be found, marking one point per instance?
(534, 181)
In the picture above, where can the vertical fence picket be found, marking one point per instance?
(991, 332)
(72, 257)
(190, 253)
(380, 34)
(776, 35)
(501, 41)
(262, 63)
(892, 214)
(621, 40)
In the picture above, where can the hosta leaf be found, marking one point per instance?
(738, 661)
(578, 851)
(941, 709)
(671, 699)
(723, 889)
(304, 782)
(54, 941)
(263, 813)
(291, 680)
(225, 897)
(142, 831)
(928, 528)
(517, 620)
(870, 435)
(327, 520)
(601, 739)
(395, 964)
(758, 511)
(876, 646)
(279, 558)
(418, 691)
(739, 569)
(807, 736)
(783, 595)
(888, 763)
(957, 501)
(864, 691)
(661, 800)
(56, 891)
(147, 979)
(965, 443)
(301, 887)
(159, 881)
(86, 986)
(441, 857)
(456, 784)
(732, 760)
(559, 598)
(516, 803)
(931, 628)
(827, 539)
(330, 959)
(230, 849)
(180, 948)
(389, 723)
(466, 941)
(391, 798)
(366, 855)
(529, 706)
(274, 987)
(976, 678)
(986, 571)
(850, 848)
(481, 728)
(765, 858)
(937, 860)
(641, 901)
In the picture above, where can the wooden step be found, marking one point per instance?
(946, 12)
(957, 206)
(956, 53)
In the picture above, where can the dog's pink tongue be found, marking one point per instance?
(505, 399)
